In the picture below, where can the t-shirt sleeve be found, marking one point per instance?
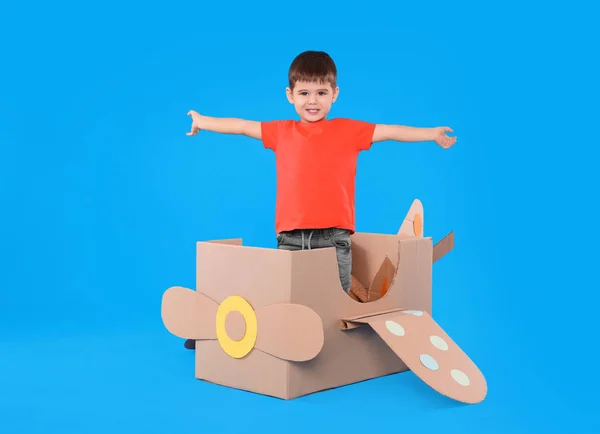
(363, 134)
(270, 134)
(359, 134)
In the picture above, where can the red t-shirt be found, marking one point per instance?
(316, 168)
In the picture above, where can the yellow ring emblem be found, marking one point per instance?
(236, 349)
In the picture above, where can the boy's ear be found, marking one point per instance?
(289, 95)
(336, 93)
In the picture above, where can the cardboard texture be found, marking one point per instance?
(278, 323)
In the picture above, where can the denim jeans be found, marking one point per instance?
(303, 239)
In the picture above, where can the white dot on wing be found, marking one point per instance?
(460, 377)
(413, 312)
(429, 362)
(439, 343)
(395, 328)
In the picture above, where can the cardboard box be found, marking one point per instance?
(278, 323)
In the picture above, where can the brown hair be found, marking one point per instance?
(313, 66)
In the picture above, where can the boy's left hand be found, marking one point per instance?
(440, 137)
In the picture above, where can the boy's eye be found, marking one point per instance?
(320, 93)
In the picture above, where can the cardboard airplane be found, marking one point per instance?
(278, 323)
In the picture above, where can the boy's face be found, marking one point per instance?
(312, 101)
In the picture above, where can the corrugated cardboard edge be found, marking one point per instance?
(288, 388)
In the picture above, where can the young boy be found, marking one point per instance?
(316, 159)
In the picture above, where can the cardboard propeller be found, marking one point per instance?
(272, 329)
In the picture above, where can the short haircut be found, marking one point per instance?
(313, 66)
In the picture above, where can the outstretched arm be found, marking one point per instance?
(400, 133)
(224, 125)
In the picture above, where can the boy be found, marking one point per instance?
(316, 159)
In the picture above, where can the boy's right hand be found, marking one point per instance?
(224, 125)
(195, 123)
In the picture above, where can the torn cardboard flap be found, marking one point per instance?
(429, 352)
(379, 285)
(358, 292)
(382, 280)
(385, 275)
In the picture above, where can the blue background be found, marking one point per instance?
(104, 196)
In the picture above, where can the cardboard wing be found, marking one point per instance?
(428, 351)
(273, 329)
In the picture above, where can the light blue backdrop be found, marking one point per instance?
(104, 196)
